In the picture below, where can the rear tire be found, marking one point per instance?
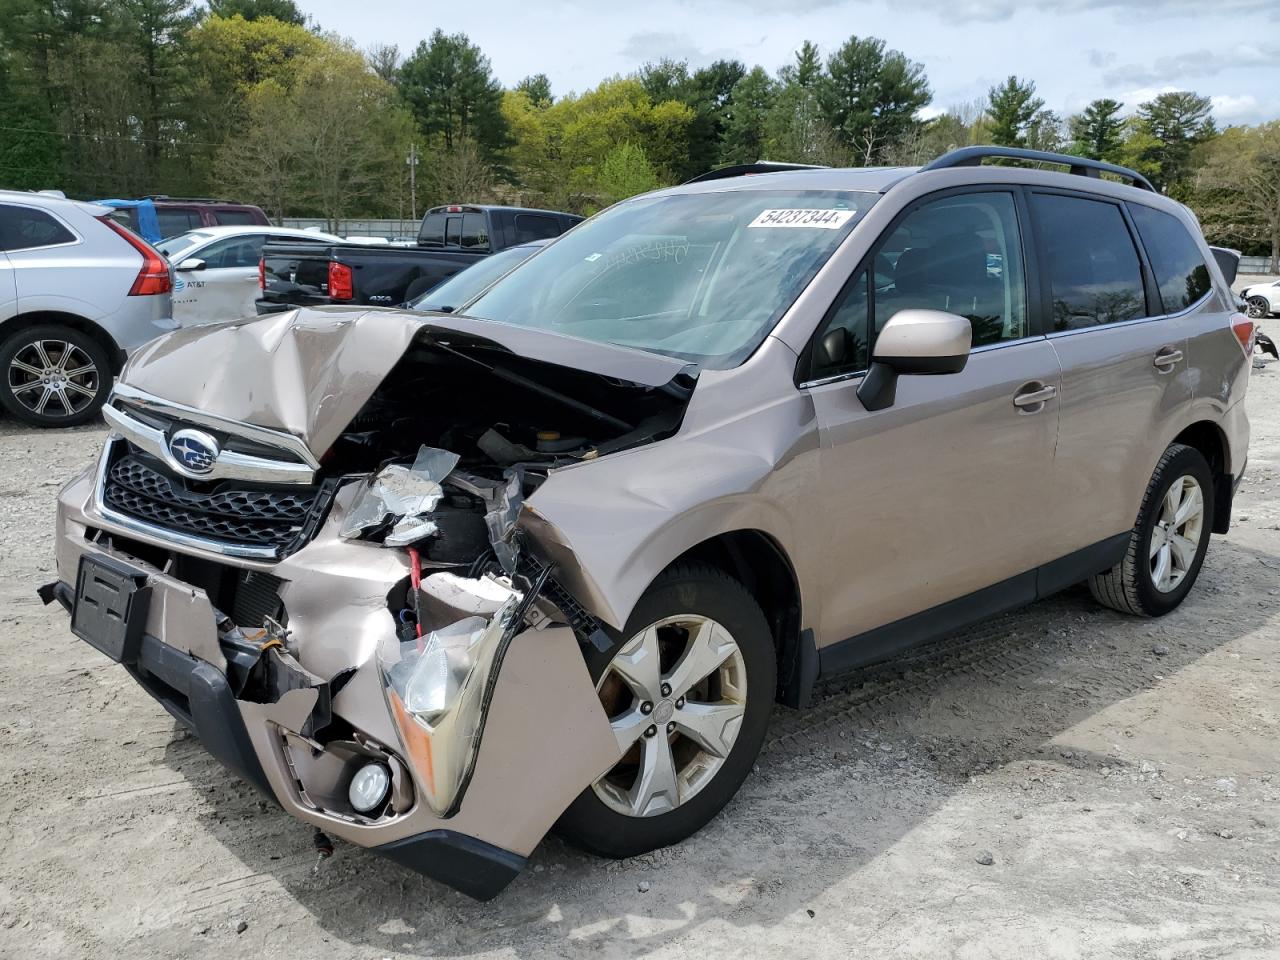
(1169, 541)
(703, 774)
(53, 376)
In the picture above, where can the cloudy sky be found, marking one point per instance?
(1075, 50)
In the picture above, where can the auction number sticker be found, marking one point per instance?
(820, 219)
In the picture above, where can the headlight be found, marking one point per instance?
(436, 688)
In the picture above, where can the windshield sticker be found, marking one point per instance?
(819, 219)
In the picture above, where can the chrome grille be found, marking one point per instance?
(227, 512)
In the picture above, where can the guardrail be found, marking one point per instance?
(356, 228)
(1255, 265)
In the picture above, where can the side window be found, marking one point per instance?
(475, 232)
(1094, 273)
(1180, 270)
(961, 254)
(173, 222)
(842, 344)
(535, 227)
(432, 234)
(233, 252)
(236, 218)
(23, 228)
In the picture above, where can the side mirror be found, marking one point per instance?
(833, 349)
(191, 263)
(914, 342)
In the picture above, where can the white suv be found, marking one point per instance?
(77, 292)
(1262, 299)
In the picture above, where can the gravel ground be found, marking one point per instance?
(1060, 782)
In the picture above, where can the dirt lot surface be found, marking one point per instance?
(1061, 782)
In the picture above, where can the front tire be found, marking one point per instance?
(53, 376)
(1258, 308)
(1169, 541)
(688, 695)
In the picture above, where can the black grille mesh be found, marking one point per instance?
(227, 512)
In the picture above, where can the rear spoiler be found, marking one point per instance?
(1228, 262)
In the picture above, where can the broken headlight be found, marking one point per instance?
(437, 685)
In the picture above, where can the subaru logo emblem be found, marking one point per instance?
(194, 450)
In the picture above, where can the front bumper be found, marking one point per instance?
(545, 738)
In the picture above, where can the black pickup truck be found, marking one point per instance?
(451, 238)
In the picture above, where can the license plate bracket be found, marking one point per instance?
(110, 611)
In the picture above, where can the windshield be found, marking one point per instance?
(185, 241)
(701, 276)
(467, 284)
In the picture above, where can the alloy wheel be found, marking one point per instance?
(1258, 308)
(1175, 538)
(53, 378)
(676, 694)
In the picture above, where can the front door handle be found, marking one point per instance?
(1032, 397)
(1166, 358)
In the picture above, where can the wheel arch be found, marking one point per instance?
(1210, 440)
(76, 322)
(760, 563)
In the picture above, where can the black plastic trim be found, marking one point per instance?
(198, 696)
(470, 866)
(1079, 166)
(883, 643)
(1224, 495)
(750, 169)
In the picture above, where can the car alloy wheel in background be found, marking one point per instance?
(1259, 308)
(53, 376)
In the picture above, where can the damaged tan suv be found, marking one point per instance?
(438, 583)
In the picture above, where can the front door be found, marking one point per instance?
(938, 495)
(225, 289)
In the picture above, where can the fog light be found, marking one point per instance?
(369, 787)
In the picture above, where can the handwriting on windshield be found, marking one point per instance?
(670, 249)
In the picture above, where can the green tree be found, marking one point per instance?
(538, 89)
(625, 172)
(795, 129)
(384, 60)
(870, 96)
(746, 123)
(1236, 191)
(707, 92)
(1098, 130)
(286, 11)
(450, 88)
(1178, 122)
(1012, 106)
(156, 30)
(331, 143)
(1047, 131)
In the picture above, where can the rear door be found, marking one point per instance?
(939, 495)
(8, 285)
(1124, 364)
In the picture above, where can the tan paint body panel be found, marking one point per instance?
(525, 775)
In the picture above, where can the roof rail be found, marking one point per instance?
(166, 198)
(1080, 166)
(747, 169)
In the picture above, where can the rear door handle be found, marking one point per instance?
(1032, 397)
(1166, 358)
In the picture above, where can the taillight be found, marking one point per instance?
(154, 277)
(262, 273)
(341, 285)
(1243, 328)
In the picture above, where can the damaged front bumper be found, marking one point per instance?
(298, 712)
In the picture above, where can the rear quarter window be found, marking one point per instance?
(236, 218)
(173, 222)
(25, 228)
(530, 226)
(1181, 273)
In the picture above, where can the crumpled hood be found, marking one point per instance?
(309, 371)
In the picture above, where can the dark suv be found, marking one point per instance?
(158, 218)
